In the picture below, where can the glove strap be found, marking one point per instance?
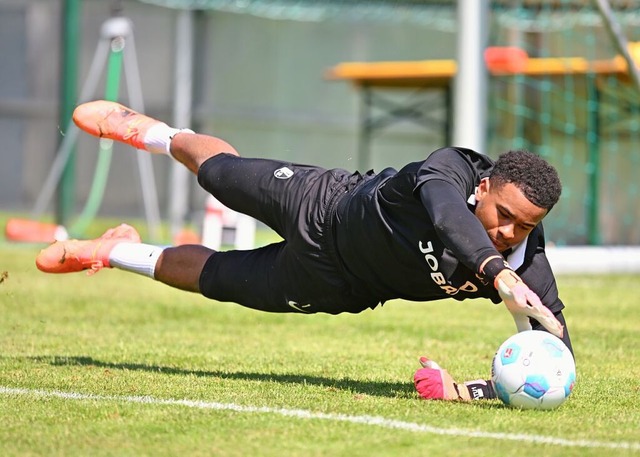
(480, 389)
(492, 267)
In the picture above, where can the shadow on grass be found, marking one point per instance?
(381, 389)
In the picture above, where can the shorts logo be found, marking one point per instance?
(298, 307)
(283, 173)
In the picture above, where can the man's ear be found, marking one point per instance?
(483, 188)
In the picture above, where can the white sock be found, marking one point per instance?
(158, 138)
(135, 257)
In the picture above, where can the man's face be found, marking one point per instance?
(506, 214)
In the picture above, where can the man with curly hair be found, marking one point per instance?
(455, 225)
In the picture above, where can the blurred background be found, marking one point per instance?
(262, 75)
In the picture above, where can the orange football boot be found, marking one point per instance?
(112, 120)
(76, 255)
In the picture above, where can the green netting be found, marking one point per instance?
(433, 12)
(587, 125)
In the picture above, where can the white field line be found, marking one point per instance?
(377, 421)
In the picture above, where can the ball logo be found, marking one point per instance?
(283, 173)
(510, 354)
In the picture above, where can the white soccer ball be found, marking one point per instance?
(533, 370)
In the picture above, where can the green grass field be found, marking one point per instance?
(116, 364)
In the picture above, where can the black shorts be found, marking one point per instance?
(299, 274)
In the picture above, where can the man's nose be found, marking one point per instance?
(507, 231)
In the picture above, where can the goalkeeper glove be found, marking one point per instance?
(435, 383)
(523, 303)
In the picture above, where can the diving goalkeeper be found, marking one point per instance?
(455, 225)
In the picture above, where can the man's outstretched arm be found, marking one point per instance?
(463, 233)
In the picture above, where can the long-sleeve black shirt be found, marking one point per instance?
(412, 234)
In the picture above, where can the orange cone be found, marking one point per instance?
(27, 231)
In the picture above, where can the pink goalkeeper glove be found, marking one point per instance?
(435, 383)
(523, 303)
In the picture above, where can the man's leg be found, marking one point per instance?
(178, 267)
(248, 186)
(121, 248)
(92, 255)
(181, 266)
(192, 150)
(112, 120)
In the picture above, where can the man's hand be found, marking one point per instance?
(523, 303)
(435, 383)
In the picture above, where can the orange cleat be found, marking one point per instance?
(112, 120)
(77, 255)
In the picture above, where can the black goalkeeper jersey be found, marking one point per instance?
(412, 234)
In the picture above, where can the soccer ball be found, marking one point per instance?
(533, 370)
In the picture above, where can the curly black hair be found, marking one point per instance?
(535, 177)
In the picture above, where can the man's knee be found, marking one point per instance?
(181, 266)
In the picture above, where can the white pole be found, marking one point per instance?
(470, 85)
(145, 166)
(179, 195)
(617, 35)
